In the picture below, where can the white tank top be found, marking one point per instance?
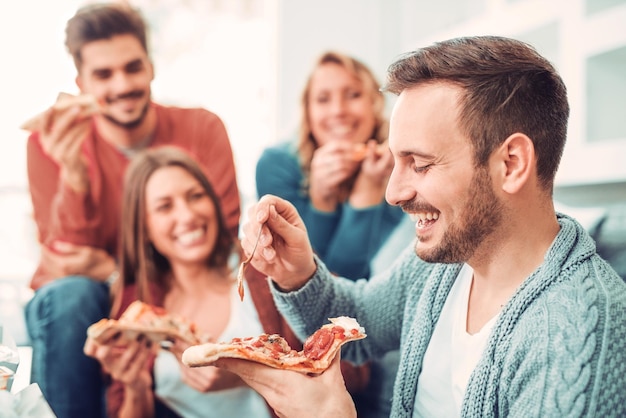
(236, 402)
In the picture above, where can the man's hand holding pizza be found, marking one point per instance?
(204, 379)
(62, 130)
(284, 252)
(293, 394)
(62, 135)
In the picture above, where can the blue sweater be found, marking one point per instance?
(558, 348)
(346, 239)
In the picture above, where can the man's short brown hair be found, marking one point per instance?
(102, 21)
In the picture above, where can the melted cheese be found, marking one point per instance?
(347, 324)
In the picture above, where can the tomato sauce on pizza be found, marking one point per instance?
(273, 350)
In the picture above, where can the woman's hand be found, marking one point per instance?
(128, 362)
(371, 183)
(332, 164)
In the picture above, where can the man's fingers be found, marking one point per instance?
(56, 123)
(67, 148)
(63, 119)
(283, 220)
(260, 212)
(256, 375)
(236, 366)
(334, 371)
(63, 136)
(265, 380)
(47, 120)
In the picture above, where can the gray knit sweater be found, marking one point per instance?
(558, 348)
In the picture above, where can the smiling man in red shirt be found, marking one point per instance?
(76, 162)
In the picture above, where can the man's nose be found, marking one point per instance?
(399, 187)
(121, 83)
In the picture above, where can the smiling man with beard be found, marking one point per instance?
(503, 308)
(76, 162)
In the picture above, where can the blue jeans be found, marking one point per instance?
(57, 318)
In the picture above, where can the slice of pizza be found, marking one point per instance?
(152, 321)
(359, 151)
(87, 102)
(317, 354)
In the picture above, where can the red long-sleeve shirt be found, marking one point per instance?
(94, 218)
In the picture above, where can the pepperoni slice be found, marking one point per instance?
(319, 343)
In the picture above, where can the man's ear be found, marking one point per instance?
(518, 162)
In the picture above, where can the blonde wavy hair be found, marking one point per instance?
(307, 143)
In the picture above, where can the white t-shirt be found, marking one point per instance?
(237, 402)
(451, 355)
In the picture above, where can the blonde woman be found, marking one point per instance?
(336, 172)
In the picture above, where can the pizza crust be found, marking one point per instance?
(359, 151)
(87, 102)
(279, 355)
(103, 330)
(153, 322)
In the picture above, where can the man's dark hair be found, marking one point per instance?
(102, 21)
(507, 88)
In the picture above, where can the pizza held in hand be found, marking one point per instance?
(86, 102)
(152, 321)
(359, 151)
(273, 350)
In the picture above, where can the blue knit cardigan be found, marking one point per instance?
(558, 348)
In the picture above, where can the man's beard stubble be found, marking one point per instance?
(481, 216)
(133, 123)
(136, 94)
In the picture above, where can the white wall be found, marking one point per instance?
(365, 29)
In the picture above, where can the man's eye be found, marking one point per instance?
(134, 68)
(102, 75)
(423, 168)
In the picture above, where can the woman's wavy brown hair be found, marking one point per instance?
(140, 262)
